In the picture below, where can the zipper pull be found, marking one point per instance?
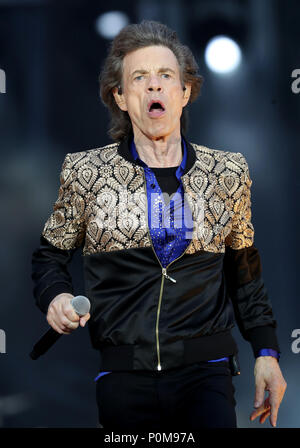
(164, 271)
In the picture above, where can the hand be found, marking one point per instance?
(268, 377)
(61, 315)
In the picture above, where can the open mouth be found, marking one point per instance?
(156, 108)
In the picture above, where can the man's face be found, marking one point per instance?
(151, 75)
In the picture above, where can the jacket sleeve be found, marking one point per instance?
(50, 274)
(65, 228)
(243, 274)
(63, 233)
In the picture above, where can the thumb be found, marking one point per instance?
(84, 319)
(259, 394)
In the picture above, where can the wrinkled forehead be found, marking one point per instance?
(152, 58)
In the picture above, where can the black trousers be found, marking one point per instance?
(192, 397)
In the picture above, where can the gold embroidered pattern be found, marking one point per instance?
(222, 179)
(102, 202)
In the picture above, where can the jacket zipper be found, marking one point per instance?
(164, 275)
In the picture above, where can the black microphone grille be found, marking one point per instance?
(81, 305)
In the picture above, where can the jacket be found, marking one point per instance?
(145, 316)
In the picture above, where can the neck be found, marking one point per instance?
(159, 152)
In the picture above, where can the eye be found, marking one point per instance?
(166, 74)
(138, 78)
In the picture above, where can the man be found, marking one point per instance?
(164, 275)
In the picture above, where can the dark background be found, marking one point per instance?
(52, 55)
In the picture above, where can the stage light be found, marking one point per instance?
(222, 54)
(110, 23)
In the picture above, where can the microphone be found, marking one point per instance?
(81, 305)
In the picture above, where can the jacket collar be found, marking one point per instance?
(124, 151)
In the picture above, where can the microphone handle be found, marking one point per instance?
(81, 306)
(46, 341)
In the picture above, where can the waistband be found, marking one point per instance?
(204, 348)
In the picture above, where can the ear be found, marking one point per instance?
(186, 94)
(119, 99)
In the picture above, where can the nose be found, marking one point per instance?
(154, 84)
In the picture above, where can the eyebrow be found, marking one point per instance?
(161, 69)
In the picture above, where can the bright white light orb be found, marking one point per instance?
(109, 24)
(222, 55)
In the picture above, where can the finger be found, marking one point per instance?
(65, 322)
(84, 319)
(257, 413)
(275, 402)
(259, 394)
(70, 313)
(68, 326)
(55, 326)
(66, 331)
(264, 416)
(65, 326)
(263, 408)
